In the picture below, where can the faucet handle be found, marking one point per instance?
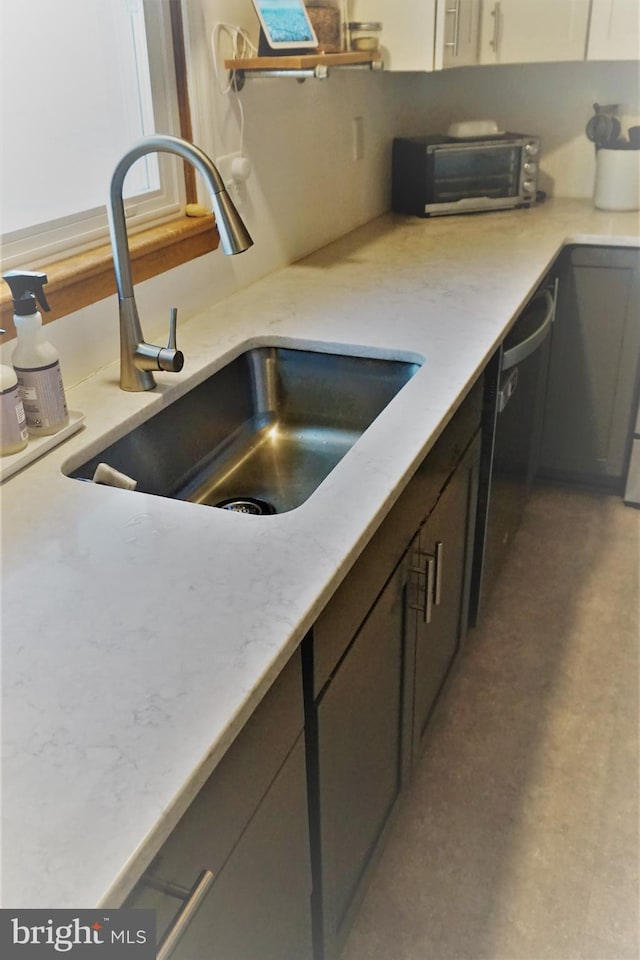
(169, 357)
(173, 326)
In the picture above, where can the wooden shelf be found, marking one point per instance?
(299, 66)
(304, 61)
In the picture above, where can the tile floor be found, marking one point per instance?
(519, 837)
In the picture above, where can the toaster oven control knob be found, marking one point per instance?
(531, 149)
(529, 168)
(529, 186)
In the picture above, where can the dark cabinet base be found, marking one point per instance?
(357, 748)
(593, 372)
(374, 664)
(448, 537)
(249, 827)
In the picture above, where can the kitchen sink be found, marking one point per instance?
(260, 434)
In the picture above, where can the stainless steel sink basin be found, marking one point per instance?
(262, 432)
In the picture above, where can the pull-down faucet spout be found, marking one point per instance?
(137, 358)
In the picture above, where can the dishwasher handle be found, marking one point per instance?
(520, 351)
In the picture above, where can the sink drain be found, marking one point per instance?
(250, 505)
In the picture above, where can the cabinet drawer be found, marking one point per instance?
(341, 618)
(210, 828)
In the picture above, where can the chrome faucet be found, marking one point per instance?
(137, 358)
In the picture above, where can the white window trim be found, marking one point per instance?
(74, 234)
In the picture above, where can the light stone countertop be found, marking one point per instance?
(139, 633)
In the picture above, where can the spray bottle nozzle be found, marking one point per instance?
(26, 288)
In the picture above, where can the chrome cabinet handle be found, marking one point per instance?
(428, 594)
(496, 13)
(192, 900)
(437, 592)
(455, 10)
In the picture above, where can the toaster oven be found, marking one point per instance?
(435, 175)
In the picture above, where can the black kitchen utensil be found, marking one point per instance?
(604, 127)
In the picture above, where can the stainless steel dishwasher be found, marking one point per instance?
(513, 412)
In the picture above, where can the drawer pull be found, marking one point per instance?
(496, 13)
(439, 569)
(192, 900)
(428, 597)
(453, 44)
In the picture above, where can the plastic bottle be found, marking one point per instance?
(35, 360)
(13, 428)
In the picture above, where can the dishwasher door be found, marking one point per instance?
(514, 408)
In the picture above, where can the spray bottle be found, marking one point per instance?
(13, 428)
(35, 360)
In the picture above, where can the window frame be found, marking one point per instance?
(79, 231)
(83, 277)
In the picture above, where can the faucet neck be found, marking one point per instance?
(160, 143)
(138, 358)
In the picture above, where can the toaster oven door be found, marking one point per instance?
(474, 176)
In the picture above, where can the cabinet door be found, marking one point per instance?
(458, 33)
(593, 368)
(408, 30)
(533, 31)
(614, 31)
(259, 904)
(248, 826)
(445, 551)
(359, 757)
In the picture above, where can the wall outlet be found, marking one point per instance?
(223, 164)
(234, 168)
(357, 138)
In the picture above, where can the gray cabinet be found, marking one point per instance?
(249, 827)
(359, 757)
(593, 368)
(441, 568)
(375, 662)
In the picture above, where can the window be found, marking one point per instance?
(82, 81)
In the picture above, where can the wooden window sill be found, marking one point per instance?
(88, 277)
